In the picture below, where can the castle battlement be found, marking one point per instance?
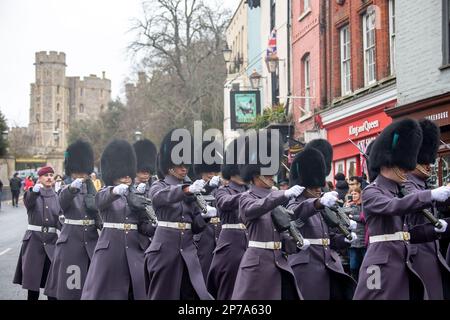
(50, 57)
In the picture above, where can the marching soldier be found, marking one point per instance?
(172, 267)
(264, 272)
(117, 268)
(76, 243)
(386, 272)
(207, 239)
(146, 166)
(318, 271)
(38, 244)
(425, 257)
(232, 241)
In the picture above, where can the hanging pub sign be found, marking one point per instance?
(245, 106)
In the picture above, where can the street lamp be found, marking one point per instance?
(138, 135)
(226, 53)
(5, 135)
(255, 79)
(272, 63)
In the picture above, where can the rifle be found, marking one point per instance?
(427, 213)
(281, 218)
(332, 219)
(139, 203)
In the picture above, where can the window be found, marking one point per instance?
(57, 89)
(81, 92)
(446, 32)
(392, 33)
(307, 83)
(369, 47)
(102, 107)
(306, 5)
(57, 107)
(58, 123)
(101, 93)
(345, 61)
(81, 109)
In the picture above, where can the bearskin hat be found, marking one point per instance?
(430, 144)
(398, 145)
(165, 152)
(203, 167)
(145, 156)
(373, 173)
(230, 167)
(118, 160)
(250, 154)
(308, 169)
(79, 158)
(326, 149)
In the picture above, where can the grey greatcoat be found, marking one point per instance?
(37, 249)
(386, 271)
(231, 245)
(260, 271)
(318, 270)
(172, 253)
(117, 265)
(426, 257)
(74, 248)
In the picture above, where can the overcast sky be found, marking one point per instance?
(92, 33)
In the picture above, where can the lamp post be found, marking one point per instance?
(5, 135)
(137, 135)
(255, 80)
(226, 53)
(272, 62)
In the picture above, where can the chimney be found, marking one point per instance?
(103, 74)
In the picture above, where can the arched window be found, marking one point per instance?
(81, 108)
(57, 107)
(58, 123)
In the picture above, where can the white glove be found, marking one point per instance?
(211, 212)
(62, 218)
(214, 182)
(120, 189)
(197, 186)
(329, 199)
(294, 192)
(353, 225)
(76, 184)
(306, 244)
(440, 194)
(444, 226)
(37, 187)
(141, 188)
(354, 238)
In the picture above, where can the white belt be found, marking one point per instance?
(240, 226)
(79, 222)
(398, 236)
(265, 245)
(120, 226)
(42, 229)
(214, 220)
(319, 242)
(174, 225)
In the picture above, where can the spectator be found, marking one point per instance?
(28, 183)
(341, 186)
(15, 184)
(284, 184)
(365, 182)
(96, 181)
(354, 183)
(330, 186)
(357, 249)
(59, 183)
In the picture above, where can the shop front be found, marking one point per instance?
(351, 135)
(436, 109)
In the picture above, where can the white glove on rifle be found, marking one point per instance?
(440, 194)
(214, 182)
(444, 226)
(294, 191)
(141, 188)
(306, 244)
(120, 189)
(353, 225)
(211, 212)
(197, 186)
(329, 199)
(354, 238)
(76, 184)
(37, 187)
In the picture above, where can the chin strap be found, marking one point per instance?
(263, 180)
(172, 172)
(424, 171)
(400, 175)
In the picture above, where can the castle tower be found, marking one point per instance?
(49, 103)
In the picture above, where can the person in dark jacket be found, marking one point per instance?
(172, 267)
(117, 268)
(15, 184)
(341, 186)
(232, 241)
(386, 272)
(264, 272)
(38, 244)
(78, 238)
